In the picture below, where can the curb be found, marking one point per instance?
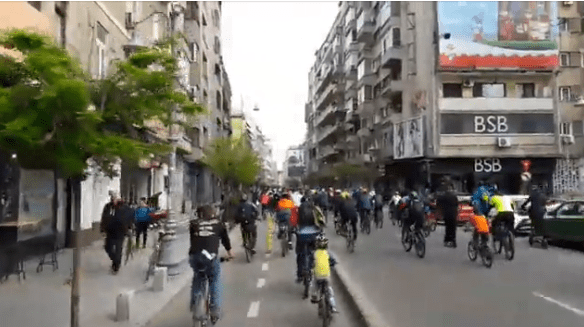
(181, 284)
(369, 315)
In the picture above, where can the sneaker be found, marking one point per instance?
(253, 251)
(314, 299)
(290, 245)
(334, 310)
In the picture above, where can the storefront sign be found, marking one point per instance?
(470, 123)
(488, 165)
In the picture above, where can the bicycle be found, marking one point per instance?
(283, 234)
(412, 237)
(503, 239)
(483, 249)
(348, 232)
(324, 305)
(307, 274)
(378, 219)
(129, 248)
(429, 226)
(247, 238)
(365, 223)
(156, 254)
(201, 310)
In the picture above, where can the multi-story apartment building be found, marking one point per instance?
(100, 33)
(432, 102)
(294, 166)
(569, 175)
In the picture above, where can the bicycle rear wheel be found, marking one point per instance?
(420, 245)
(472, 251)
(407, 241)
(487, 257)
(350, 240)
(509, 246)
(326, 311)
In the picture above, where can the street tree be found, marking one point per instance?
(235, 163)
(53, 116)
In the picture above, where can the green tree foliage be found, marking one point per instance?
(233, 161)
(45, 101)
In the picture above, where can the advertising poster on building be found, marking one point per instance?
(408, 139)
(503, 34)
(35, 215)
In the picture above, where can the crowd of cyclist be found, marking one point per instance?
(305, 214)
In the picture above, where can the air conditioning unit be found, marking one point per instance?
(579, 101)
(567, 3)
(504, 142)
(468, 83)
(568, 139)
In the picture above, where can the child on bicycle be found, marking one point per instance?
(481, 227)
(323, 261)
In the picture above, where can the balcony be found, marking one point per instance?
(324, 78)
(368, 78)
(327, 116)
(328, 52)
(326, 96)
(365, 27)
(353, 47)
(326, 132)
(326, 151)
(390, 86)
(360, 159)
(391, 54)
(366, 107)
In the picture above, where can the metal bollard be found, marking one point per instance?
(160, 279)
(173, 249)
(123, 306)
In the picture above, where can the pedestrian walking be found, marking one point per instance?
(447, 203)
(142, 219)
(116, 221)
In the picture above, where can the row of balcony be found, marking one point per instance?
(327, 95)
(327, 131)
(326, 116)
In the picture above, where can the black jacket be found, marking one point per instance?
(348, 210)
(206, 234)
(537, 200)
(116, 220)
(246, 212)
(448, 204)
(306, 215)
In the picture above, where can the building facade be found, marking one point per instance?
(100, 33)
(294, 166)
(424, 99)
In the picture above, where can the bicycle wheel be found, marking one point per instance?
(350, 240)
(284, 243)
(433, 226)
(472, 251)
(326, 311)
(509, 245)
(420, 245)
(368, 226)
(407, 241)
(487, 256)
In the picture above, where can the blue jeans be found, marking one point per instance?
(212, 271)
(305, 249)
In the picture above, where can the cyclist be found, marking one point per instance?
(308, 228)
(364, 206)
(504, 207)
(205, 235)
(415, 207)
(378, 205)
(481, 227)
(283, 214)
(393, 206)
(348, 213)
(247, 214)
(323, 261)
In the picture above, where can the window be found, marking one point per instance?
(484, 90)
(563, 25)
(564, 59)
(384, 112)
(566, 128)
(35, 4)
(452, 90)
(396, 37)
(528, 90)
(578, 128)
(565, 94)
(385, 139)
(101, 42)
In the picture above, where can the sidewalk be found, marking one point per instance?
(43, 299)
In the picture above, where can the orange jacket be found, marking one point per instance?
(285, 204)
(480, 223)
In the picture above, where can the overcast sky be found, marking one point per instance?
(268, 49)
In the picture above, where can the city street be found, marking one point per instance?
(259, 294)
(538, 288)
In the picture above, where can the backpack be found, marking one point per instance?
(417, 206)
(245, 213)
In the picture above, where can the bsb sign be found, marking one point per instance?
(488, 165)
(470, 123)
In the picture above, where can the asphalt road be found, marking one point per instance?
(538, 288)
(267, 281)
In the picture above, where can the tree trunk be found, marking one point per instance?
(75, 293)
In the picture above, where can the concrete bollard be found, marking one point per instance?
(123, 302)
(160, 279)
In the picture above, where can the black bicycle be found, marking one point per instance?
(412, 237)
(476, 247)
(247, 240)
(283, 235)
(201, 313)
(503, 239)
(378, 219)
(324, 305)
(365, 223)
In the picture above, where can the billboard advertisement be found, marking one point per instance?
(503, 34)
(408, 137)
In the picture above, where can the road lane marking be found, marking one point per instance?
(254, 309)
(561, 304)
(265, 266)
(261, 282)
